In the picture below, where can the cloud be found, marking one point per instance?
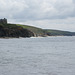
(42, 12)
(60, 24)
(74, 1)
(35, 10)
(9, 8)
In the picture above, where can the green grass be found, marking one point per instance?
(37, 31)
(59, 32)
(9, 25)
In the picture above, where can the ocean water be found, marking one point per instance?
(37, 56)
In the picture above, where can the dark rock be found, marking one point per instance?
(17, 32)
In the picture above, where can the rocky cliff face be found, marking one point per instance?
(15, 32)
(12, 30)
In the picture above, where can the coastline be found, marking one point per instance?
(32, 37)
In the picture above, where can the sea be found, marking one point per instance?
(38, 56)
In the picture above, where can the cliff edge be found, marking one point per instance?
(12, 30)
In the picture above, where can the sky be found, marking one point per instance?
(46, 14)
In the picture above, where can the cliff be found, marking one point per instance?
(47, 32)
(18, 30)
(37, 31)
(12, 30)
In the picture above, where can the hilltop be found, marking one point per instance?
(12, 30)
(59, 33)
(18, 30)
(46, 32)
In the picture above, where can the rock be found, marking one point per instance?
(15, 32)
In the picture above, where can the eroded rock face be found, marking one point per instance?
(17, 32)
(8, 30)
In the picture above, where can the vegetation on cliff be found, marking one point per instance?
(12, 30)
(59, 33)
(18, 30)
(37, 31)
(47, 32)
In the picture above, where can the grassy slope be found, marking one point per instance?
(51, 32)
(9, 25)
(35, 30)
(39, 31)
(12, 30)
(59, 32)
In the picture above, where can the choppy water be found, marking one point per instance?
(37, 56)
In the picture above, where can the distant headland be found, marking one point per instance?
(18, 30)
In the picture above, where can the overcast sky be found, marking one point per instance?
(48, 14)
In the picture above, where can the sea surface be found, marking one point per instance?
(37, 56)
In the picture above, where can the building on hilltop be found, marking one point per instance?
(3, 21)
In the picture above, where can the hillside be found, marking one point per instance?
(18, 30)
(12, 30)
(47, 32)
(59, 33)
(37, 31)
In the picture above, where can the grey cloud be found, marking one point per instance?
(37, 9)
(9, 8)
(73, 1)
